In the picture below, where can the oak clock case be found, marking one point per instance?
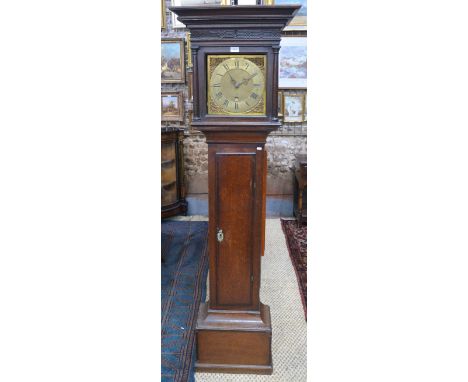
(235, 103)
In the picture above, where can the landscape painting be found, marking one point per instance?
(293, 63)
(171, 107)
(172, 61)
(299, 22)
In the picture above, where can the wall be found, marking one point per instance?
(282, 146)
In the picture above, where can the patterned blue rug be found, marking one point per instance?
(184, 269)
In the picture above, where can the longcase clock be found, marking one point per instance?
(235, 71)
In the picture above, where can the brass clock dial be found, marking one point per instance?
(236, 84)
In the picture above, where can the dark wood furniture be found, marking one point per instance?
(300, 189)
(234, 328)
(172, 172)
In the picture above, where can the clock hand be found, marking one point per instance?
(245, 80)
(233, 81)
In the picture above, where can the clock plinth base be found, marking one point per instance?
(233, 369)
(234, 341)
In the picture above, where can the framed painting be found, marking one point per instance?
(293, 63)
(172, 106)
(172, 61)
(280, 103)
(176, 23)
(299, 22)
(294, 106)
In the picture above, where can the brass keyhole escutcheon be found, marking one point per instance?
(220, 235)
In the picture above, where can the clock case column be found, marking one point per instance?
(233, 331)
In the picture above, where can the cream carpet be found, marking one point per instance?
(279, 289)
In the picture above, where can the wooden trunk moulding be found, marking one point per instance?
(233, 329)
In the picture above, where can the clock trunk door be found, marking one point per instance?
(235, 201)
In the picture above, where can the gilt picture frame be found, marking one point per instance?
(172, 106)
(280, 103)
(172, 61)
(305, 108)
(294, 107)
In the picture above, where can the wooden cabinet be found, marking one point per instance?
(172, 174)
